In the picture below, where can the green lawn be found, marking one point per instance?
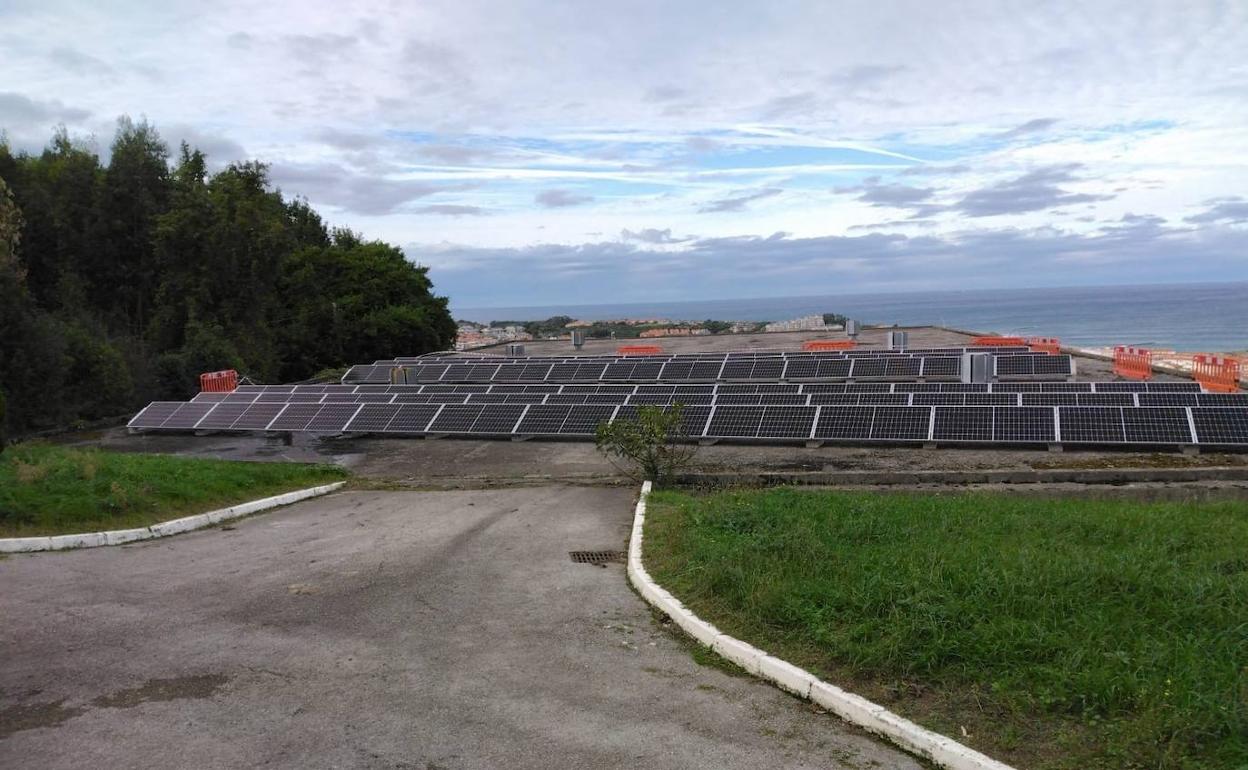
(51, 490)
(1057, 633)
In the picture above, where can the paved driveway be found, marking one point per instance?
(380, 629)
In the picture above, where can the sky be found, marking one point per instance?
(538, 152)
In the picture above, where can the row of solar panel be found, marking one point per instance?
(852, 353)
(1127, 386)
(953, 424)
(727, 394)
(772, 369)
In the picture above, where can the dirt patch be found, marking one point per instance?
(178, 688)
(14, 719)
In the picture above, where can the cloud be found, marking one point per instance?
(558, 199)
(665, 94)
(933, 169)
(1036, 126)
(865, 75)
(74, 61)
(794, 105)
(339, 186)
(451, 210)
(18, 110)
(894, 195)
(737, 203)
(1034, 191)
(220, 150)
(1232, 210)
(653, 236)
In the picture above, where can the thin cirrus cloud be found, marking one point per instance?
(942, 135)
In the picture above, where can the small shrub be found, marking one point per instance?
(654, 445)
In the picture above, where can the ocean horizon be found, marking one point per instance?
(1192, 316)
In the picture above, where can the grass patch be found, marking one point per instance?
(54, 490)
(1053, 634)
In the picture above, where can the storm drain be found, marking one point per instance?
(597, 557)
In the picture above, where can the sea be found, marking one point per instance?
(1209, 317)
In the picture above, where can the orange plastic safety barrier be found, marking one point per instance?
(225, 381)
(1216, 374)
(818, 345)
(1133, 363)
(1050, 345)
(639, 350)
(999, 342)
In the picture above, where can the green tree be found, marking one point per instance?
(653, 446)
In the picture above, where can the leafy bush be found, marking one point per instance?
(654, 445)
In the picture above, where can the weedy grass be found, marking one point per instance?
(1050, 633)
(53, 490)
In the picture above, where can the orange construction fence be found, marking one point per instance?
(818, 345)
(225, 381)
(1217, 374)
(1050, 345)
(1133, 363)
(639, 350)
(999, 342)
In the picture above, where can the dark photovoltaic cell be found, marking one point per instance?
(456, 419)
(990, 399)
(1014, 366)
(411, 418)
(373, 418)
(1222, 399)
(543, 419)
(584, 420)
(1221, 425)
(1106, 399)
(767, 369)
(1050, 399)
(498, 418)
(332, 418)
(705, 370)
(1052, 365)
(1157, 425)
(225, 415)
(1167, 399)
(901, 423)
(736, 422)
(154, 414)
(939, 399)
(884, 399)
(801, 368)
(957, 423)
(1092, 424)
(941, 367)
(845, 422)
(1023, 424)
(257, 416)
(187, 415)
(295, 417)
(869, 367)
(832, 368)
(787, 422)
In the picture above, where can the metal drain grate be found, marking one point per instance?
(597, 557)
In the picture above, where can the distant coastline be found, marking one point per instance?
(1209, 317)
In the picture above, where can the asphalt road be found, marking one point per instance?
(380, 629)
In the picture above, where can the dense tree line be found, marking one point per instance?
(121, 283)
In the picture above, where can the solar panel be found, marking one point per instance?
(767, 369)
(870, 367)
(1050, 399)
(942, 367)
(736, 422)
(187, 415)
(584, 420)
(990, 399)
(456, 419)
(295, 417)
(1023, 425)
(959, 423)
(409, 418)
(154, 414)
(332, 418)
(939, 399)
(373, 418)
(1091, 424)
(901, 423)
(1221, 425)
(257, 416)
(497, 418)
(801, 368)
(832, 368)
(787, 422)
(225, 415)
(1167, 399)
(543, 419)
(1157, 425)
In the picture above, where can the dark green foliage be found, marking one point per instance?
(834, 319)
(653, 445)
(121, 284)
(1098, 634)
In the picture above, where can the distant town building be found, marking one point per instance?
(674, 331)
(803, 324)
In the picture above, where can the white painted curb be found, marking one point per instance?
(163, 529)
(854, 709)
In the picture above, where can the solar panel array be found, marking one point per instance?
(772, 367)
(1128, 413)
